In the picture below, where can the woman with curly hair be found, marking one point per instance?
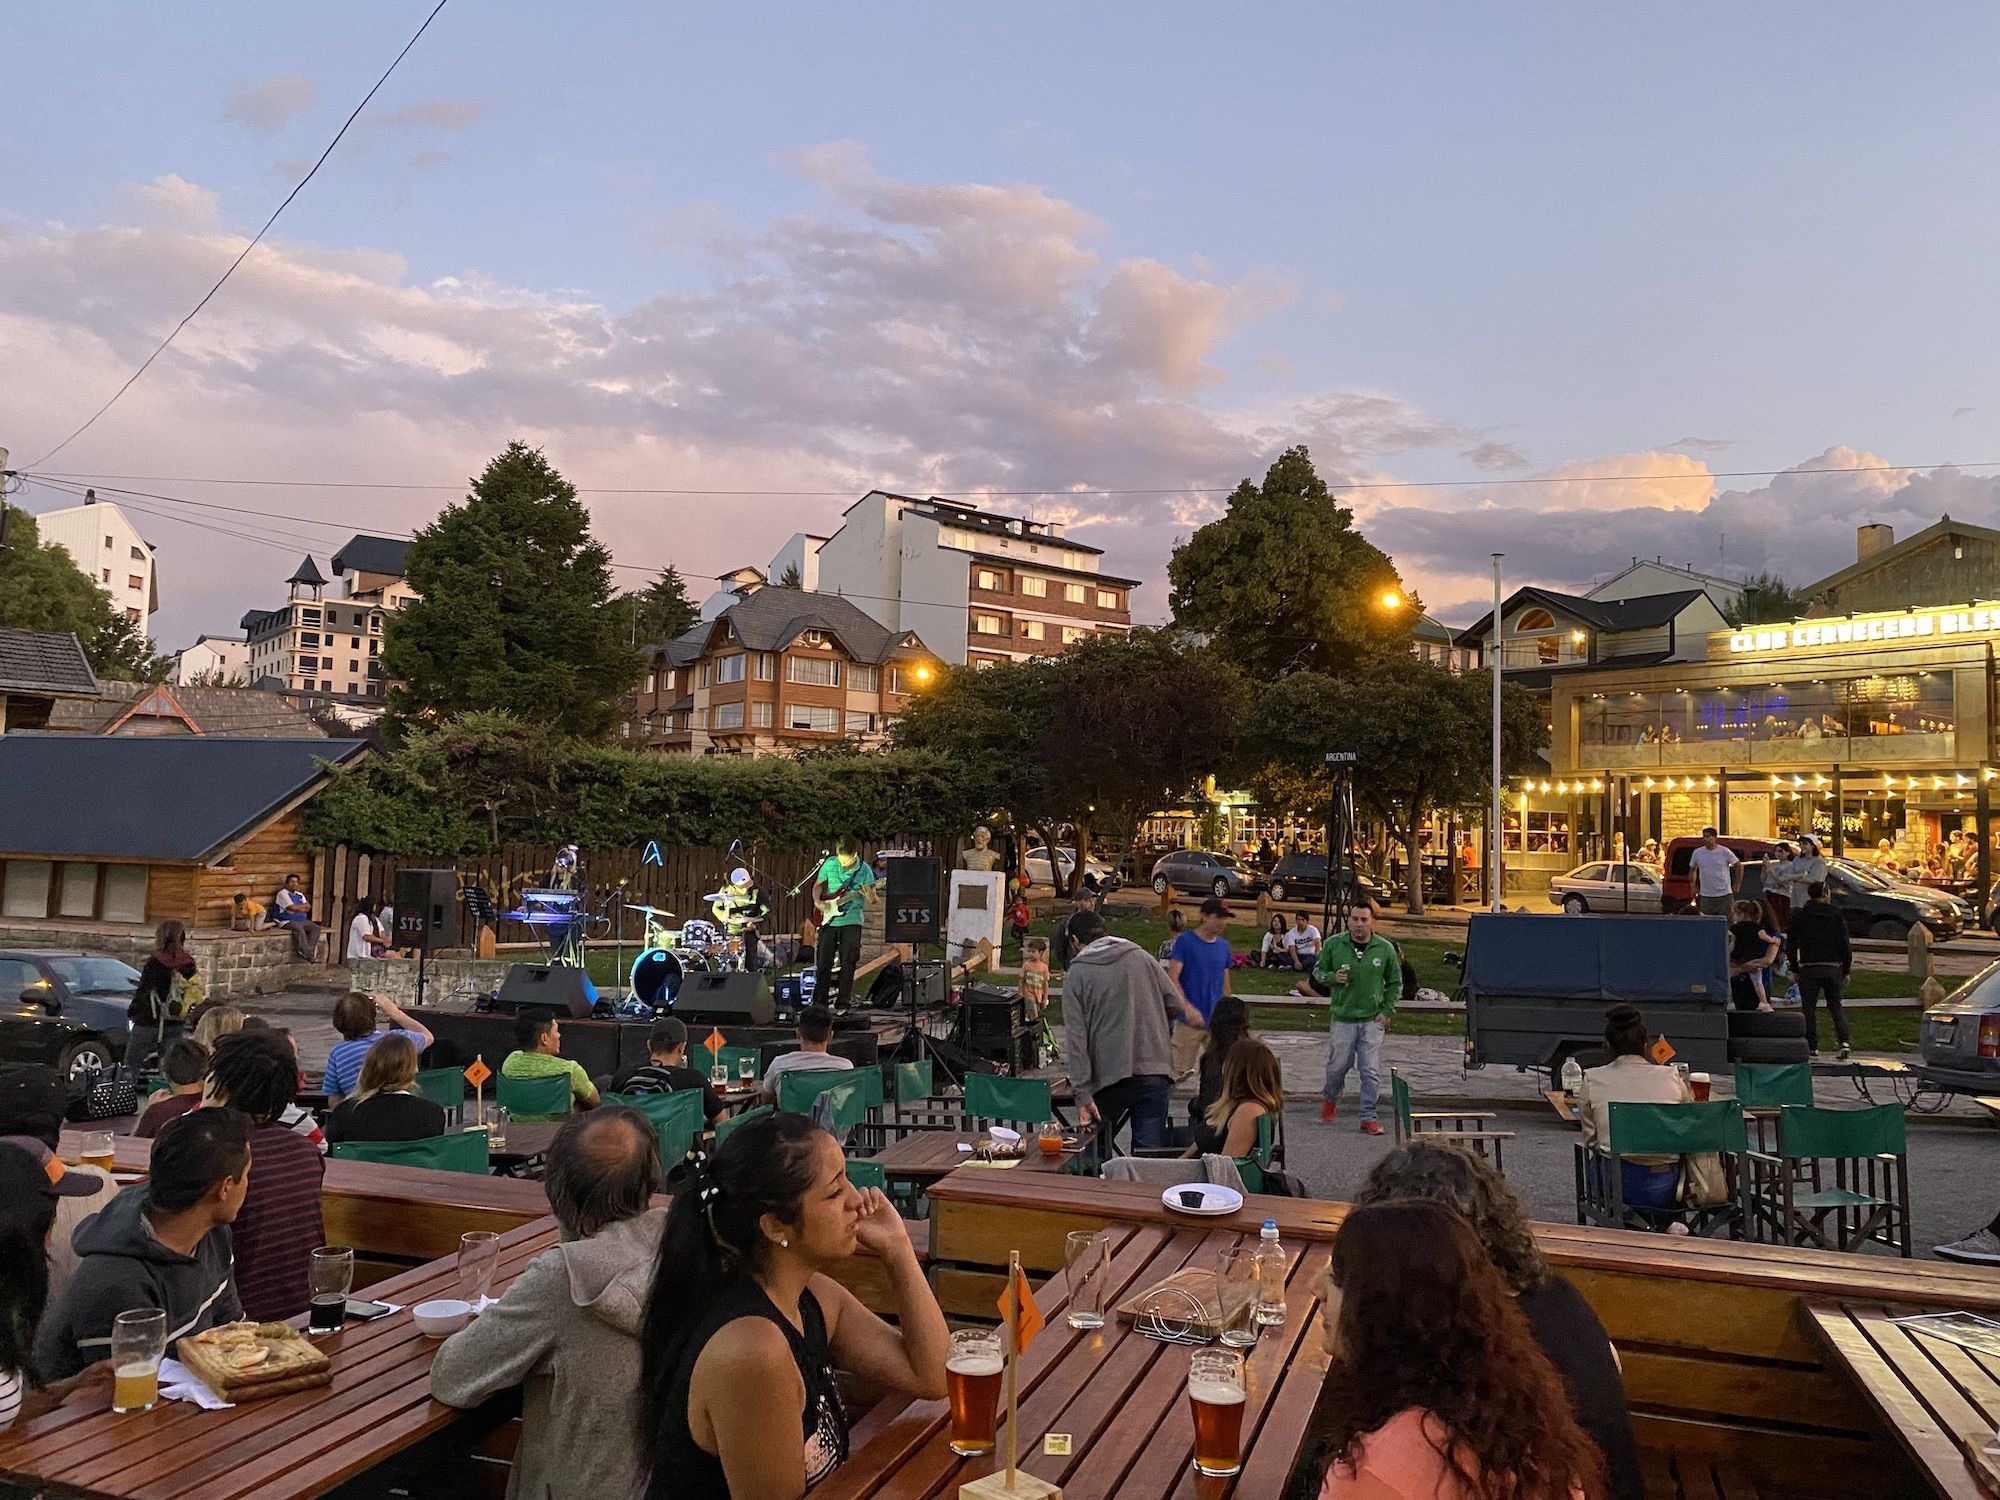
(1558, 1316)
(1436, 1386)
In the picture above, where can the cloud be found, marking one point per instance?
(441, 114)
(269, 106)
(1962, 411)
(173, 201)
(1707, 445)
(1273, 365)
(1494, 457)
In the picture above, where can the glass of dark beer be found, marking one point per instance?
(1216, 1395)
(972, 1381)
(331, 1278)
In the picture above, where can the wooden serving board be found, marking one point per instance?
(1186, 1299)
(291, 1363)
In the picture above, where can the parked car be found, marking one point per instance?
(1606, 886)
(1204, 872)
(1036, 864)
(65, 1009)
(1302, 878)
(1959, 1037)
(1871, 906)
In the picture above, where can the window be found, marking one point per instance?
(726, 716)
(309, 617)
(353, 666)
(810, 717)
(987, 578)
(986, 625)
(16, 974)
(1107, 599)
(354, 643)
(816, 671)
(124, 893)
(374, 648)
(704, 674)
(1535, 619)
(77, 896)
(107, 575)
(760, 715)
(375, 623)
(1071, 634)
(138, 554)
(652, 682)
(860, 723)
(767, 666)
(864, 679)
(1031, 630)
(729, 668)
(25, 890)
(1073, 592)
(109, 544)
(132, 615)
(815, 637)
(134, 581)
(1035, 588)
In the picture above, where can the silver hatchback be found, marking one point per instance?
(1959, 1037)
(1608, 886)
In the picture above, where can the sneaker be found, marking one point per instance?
(1982, 1245)
(1371, 1127)
(1326, 1111)
(1844, 1053)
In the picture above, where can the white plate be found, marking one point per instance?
(1215, 1198)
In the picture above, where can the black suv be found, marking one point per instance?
(1869, 905)
(64, 1009)
(1302, 877)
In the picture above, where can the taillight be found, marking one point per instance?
(1989, 1034)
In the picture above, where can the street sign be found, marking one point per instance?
(1340, 757)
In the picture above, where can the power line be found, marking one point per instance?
(299, 187)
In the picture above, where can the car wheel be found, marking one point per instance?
(1219, 888)
(1575, 905)
(1159, 885)
(1889, 930)
(1277, 890)
(84, 1058)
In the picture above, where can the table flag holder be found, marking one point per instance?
(1022, 1320)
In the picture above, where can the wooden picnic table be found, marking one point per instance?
(926, 1155)
(1120, 1396)
(282, 1448)
(527, 1140)
(1940, 1401)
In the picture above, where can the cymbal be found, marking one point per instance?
(651, 911)
(714, 896)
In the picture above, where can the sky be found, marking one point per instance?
(1573, 282)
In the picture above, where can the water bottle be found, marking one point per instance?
(1572, 1075)
(1270, 1276)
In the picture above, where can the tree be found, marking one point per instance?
(1766, 601)
(790, 579)
(1422, 738)
(1283, 581)
(512, 608)
(658, 612)
(995, 723)
(41, 588)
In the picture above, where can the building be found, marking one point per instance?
(212, 658)
(194, 820)
(1948, 563)
(1657, 577)
(777, 669)
(139, 708)
(331, 648)
(1545, 633)
(38, 671)
(1451, 649)
(104, 543)
(979, 586)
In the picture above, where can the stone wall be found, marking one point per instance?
(448, 975)
(232, 964)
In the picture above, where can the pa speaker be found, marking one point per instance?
(915, 886)
(425, 902)
(556, 987)
(731, 995)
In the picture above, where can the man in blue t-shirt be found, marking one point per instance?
(1199, 964)
(842, 888)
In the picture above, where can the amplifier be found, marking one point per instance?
(556, 987)
(731, 995)
(1015, 1051)
(989, 1012)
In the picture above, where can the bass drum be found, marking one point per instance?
(656, 978)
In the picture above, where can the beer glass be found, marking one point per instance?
(330, 1277)
(138, 1340)
(94, 1149)
(1236, 1296)
(1215, 1395)
(496, 1129)
(972, 1382)
(746, 1069)
(478, 1254)
(1087, 1259)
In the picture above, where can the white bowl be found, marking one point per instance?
(441, 1318)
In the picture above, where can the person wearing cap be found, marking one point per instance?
(32, 1101)
(739, 911)
(33, 1184)
(161, 1243)
(666, 1070)
(1806, 869)
(1199, 967)
(1361, 974)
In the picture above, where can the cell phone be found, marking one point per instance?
(366, 1310)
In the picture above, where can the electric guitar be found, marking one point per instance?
(830, 907)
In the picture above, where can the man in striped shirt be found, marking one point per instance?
(280, 1225)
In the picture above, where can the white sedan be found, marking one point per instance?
(1036, 863)
(1608, 887)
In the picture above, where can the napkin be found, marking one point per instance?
(179, 1383)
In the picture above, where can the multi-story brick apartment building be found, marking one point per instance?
(775, 669)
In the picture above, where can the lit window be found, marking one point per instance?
(986, 625)
(815, 671)
(987, 578)
(1035, 587)
(1074, 593)
(1107, 599)
(1071, 633)
(1031, 630)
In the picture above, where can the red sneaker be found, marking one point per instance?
(1371, 1127)
(1326, 1111)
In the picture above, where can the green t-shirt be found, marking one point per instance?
(833, 875)
(541, 1065)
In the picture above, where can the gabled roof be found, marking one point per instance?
(1613, 616)
(308, 572)
(236, 711)
(178, 799)
(372, 554)
(770, 619)
(1944, 528)
(36, 661)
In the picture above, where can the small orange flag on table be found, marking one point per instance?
(1662, 1051)
(476, 1072)
(715, 1041)
(1018, 1310)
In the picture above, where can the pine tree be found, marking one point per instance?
(658, 612)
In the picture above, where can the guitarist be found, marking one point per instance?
(843, 887)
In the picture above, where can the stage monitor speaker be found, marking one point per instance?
(556, 987)
(729, 996)
(989, 1013)
(915, 901)
(425, 902)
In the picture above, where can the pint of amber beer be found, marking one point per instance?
(972, 1381)
(1215, 1395)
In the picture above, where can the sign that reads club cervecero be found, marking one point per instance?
(1858, 632)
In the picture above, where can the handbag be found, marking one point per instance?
(105, 1096)
(1703, 1182)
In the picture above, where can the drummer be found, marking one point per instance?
(740, 910)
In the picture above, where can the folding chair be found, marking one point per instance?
(1253, 1167)
(798, 1088)
(1660, 1130)
(725, 1128)
(533, 1098)
(841, 1108)
(1786, 1196)
(868, 1174)
(676, 1118)
(1459, 1126)
(1764, 1089)
(1010, 1101)
(454, 1151)
(444, 1087)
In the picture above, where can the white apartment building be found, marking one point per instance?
(217, 659)
(107, 547)
(332, 647)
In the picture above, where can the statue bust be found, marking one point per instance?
(979, 855)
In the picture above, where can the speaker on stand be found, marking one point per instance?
(424, 901)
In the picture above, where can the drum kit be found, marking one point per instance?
(670, 954)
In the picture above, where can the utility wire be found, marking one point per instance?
(134, 376)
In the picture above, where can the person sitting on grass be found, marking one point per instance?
(1302, 942)
(538, 1054)
(1271, 950)
(667, 1071)
(385, 1105)
(184, 1065)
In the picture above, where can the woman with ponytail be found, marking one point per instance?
(744, 1322)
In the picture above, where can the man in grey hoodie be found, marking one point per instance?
(1115, 1001)
(567, 1329)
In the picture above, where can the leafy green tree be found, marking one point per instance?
(996, 722)
(658, 612)
(790, 578)
(1767, 600)
(1422, 738)
(41, 588)
(1283, 581)
(512, 609)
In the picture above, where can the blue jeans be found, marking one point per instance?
(1349, 1043)
(1143, 1101)
(1645, 1187)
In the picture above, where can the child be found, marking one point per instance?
(1035, 974)
(1018, 918)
